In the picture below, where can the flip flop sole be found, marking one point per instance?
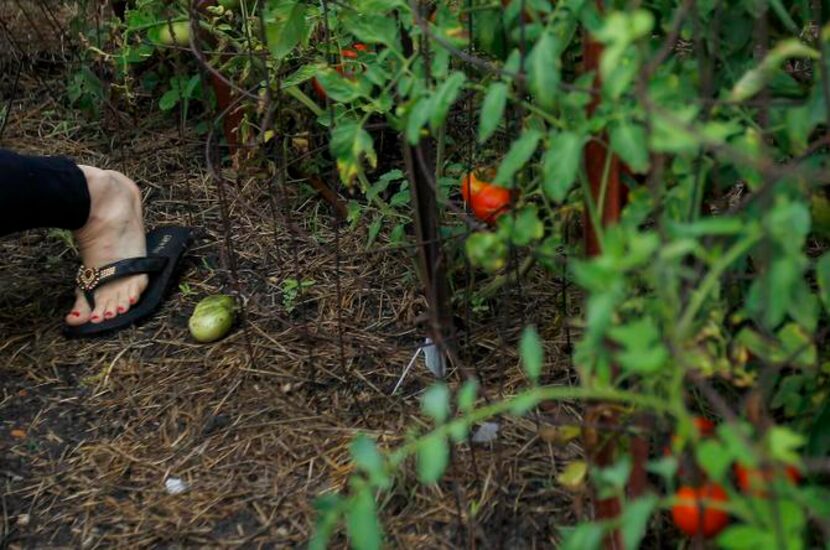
(169, 242)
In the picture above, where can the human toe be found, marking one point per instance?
(80, 312)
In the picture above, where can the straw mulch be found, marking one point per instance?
(258, 424)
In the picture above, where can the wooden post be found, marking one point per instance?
(601, 164)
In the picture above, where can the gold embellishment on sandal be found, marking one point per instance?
(89, 277)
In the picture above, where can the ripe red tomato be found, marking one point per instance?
(705, 426)
(351, 53)
(693, 513)
(753, 481)
(487, 201)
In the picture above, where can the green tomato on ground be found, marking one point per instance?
(212, 318)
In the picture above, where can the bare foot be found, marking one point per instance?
(114, 231)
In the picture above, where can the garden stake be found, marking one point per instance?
(420, 168)
(604, 169)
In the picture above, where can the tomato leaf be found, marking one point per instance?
(520, 152)
(544, 68)
(366, 457)
(372, 28)
(418, 116)
(433, 458)
(467, 395)
(531, 352)
(628, 140)
(713, 458)
(560, 164)
(823, 279)
(443, 98)
(585, 536)
(350, 145)
(285, 27)
(492, 110)
(436, 402)
(362, 520)
(634, 519)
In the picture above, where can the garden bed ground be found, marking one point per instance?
(258, 424)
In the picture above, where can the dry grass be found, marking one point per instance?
(258, 424)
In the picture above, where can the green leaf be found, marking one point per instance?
(304, 73)
(615, 476)
(560, 164)
(532, 354)
(823, 279)
(492, 110)
(783, 444)
(634, 519)
(714, 459)
(585, 536)
(543, 68)
(433, 458)
(339, 87)
(756, 78)
(351, 145)
(417, 117)
(443, 98)
(643, 351)
(818, 444)
(436, 402)
(327, 509)
(170, 99)
(467, 395)
(744, 537)
(372, 28)
(285, 26)
(374, 229)
(367, 458)
(628, 140)
(522, 228)
(520, 152)
(362, 520)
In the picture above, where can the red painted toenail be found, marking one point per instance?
(94, 317)
(76, 314)
(121, 309)
(132, 300)
(108, 314)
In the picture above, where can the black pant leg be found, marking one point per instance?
(41, 192)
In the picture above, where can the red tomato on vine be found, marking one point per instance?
(487, 201)
(754, 481)
(694, 513)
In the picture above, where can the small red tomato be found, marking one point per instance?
(704, 426)
(754, 481)
(487, 201)
(693, 512)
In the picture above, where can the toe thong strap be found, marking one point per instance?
(90, 278)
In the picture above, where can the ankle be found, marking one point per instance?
(111, 195)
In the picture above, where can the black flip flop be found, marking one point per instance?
(165, 247)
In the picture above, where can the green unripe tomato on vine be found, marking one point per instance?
(177, 33)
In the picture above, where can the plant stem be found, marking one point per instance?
(713, 276)
(298, 94)
(529, 399)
